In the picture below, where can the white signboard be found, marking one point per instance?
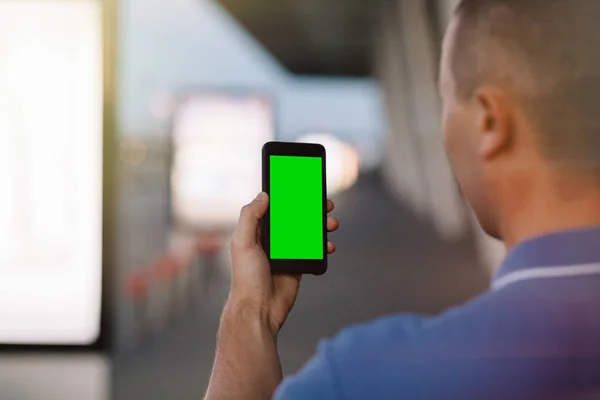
(50, 171)
(218, 139)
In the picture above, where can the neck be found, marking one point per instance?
(549, 205)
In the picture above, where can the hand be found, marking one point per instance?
(253, 287)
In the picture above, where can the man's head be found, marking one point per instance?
(520, 80)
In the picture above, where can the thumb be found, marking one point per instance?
(244, 236)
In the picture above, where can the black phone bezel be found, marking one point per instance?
(293, 267)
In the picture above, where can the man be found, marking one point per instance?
(520, 82)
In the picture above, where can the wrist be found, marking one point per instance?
(245, 316)
(246, 361)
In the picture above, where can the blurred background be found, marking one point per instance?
(130, 136)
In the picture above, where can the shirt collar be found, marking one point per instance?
(565, 248)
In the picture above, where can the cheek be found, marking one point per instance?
(460, 133)
(460, 146)
(451, 134)
(462, 140)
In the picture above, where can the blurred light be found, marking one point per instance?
(50, 171)
(132, 152)
(343, 162)
(217, 162)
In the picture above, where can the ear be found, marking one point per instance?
(494, 122)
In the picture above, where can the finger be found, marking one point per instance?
(330, 206)
(332, 224)
(330, 248)
(245, 235)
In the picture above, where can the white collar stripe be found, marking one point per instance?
(547, 272)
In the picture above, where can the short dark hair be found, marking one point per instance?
(545, 52)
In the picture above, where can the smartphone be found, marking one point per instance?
(294, 229)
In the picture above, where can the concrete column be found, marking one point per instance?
(402, 163)
(445, 11)
(421, 49)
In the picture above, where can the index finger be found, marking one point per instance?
(330, 206)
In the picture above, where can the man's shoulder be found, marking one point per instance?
(397, 328)
(357, 363)
(366, 360)
(414, 330)
(497, 339)
(353, 356)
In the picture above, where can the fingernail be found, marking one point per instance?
(262, 196)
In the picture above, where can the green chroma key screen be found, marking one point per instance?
(296, 207)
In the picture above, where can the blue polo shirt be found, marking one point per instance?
(534, 335)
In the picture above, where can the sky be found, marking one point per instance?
(172, 45)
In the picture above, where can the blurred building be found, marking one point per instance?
(172, 46)
(357, 76)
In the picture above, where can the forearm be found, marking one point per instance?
(247, 365)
